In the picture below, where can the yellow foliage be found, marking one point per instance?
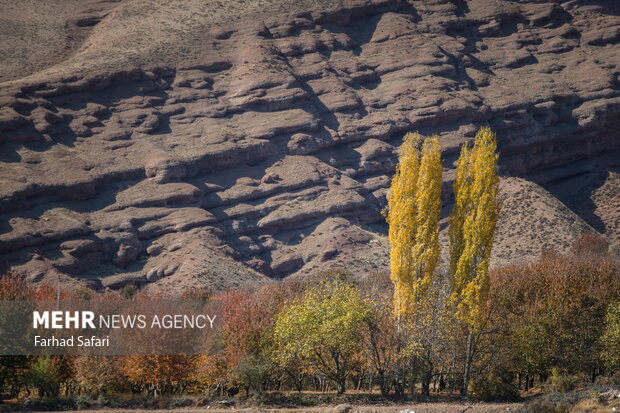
(472, 226)
(414, 207)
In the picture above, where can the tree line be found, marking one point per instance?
(421, 328)
(552, 322)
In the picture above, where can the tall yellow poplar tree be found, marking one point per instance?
(414, 207)
(471, 231)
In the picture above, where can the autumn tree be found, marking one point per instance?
(611, 337)
(380, 334)
(552, 313)
(160, 374)
(241, 354)
(472, 228)
(430, 333)
(98, 375)
(414, 207)
(247, 334)
(323, 328)
(211, 373)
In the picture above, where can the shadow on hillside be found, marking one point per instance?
(576, 191)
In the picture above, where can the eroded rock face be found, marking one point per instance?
(273, 155)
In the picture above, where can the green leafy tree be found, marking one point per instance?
(611, 337)
(323, 327)
(45, 376)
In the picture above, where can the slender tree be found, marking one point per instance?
(414, 207)
(400, 217)
(471, 232)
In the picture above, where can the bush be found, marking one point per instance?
(494, 387)
(83, 401)
(129, 292)
(44, 376)
(180, 402)
(103, 400)
(53, 404)
(83, 293)
(562, 382)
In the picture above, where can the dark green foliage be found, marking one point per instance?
(12, 370)
(128, 292)
(44, 375)
(495, 387)
(561, 381)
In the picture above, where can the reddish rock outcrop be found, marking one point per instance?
(271, 154)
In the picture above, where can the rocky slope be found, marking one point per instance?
(217, 144)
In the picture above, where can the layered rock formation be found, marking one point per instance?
(267, 150)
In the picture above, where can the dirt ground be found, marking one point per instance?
(405, 408)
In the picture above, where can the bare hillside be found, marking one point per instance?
(218, 143)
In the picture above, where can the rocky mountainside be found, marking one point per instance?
(177, 143)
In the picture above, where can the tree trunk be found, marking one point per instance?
(412, 382)
(341, 386)
(452, 372)
(469, 355)
(383, 385)
(399, 388)
(426, 384)
(593, 375)
(298, 384)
